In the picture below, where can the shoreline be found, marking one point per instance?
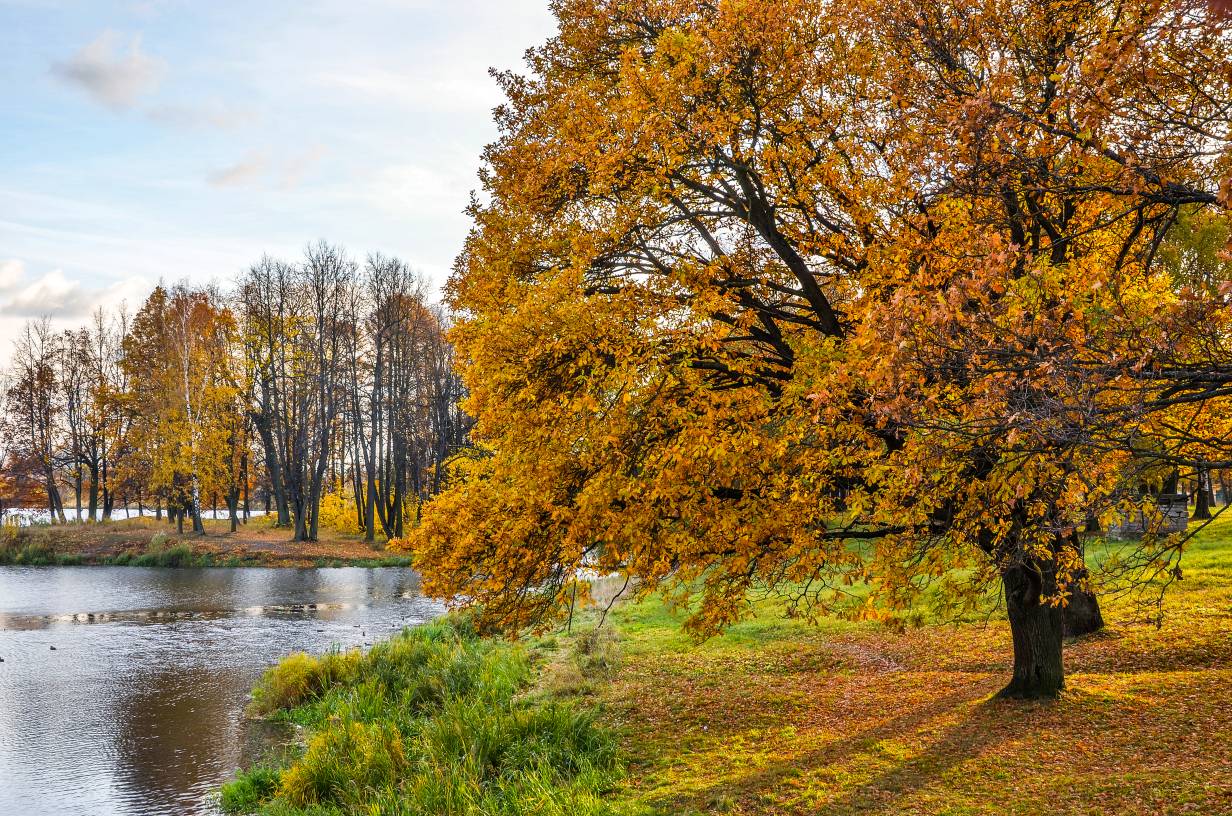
(149, 542)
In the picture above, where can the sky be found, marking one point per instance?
(184, 139)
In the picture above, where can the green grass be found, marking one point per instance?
(19, 546)
(774, 716)
(783, 717)
(387, 561)
(434, 720)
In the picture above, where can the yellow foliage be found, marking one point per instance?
(810, 295)
(338, 513)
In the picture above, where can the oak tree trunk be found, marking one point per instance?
(1036, 629)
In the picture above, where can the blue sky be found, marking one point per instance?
(184, 138)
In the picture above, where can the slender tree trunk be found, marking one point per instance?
(158, 508)
(244, 482)
(274, 469)
(107, 498)
(1223, 487)
(93, 494)
(1036, 629)
(357, 487)
(314, 499)
(77, 486)
(233, 503)
(54, 503)
(1202, 495)
(374, 430)
(301, 520)
(51, 497)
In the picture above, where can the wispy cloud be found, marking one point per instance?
(298, 166)
(211, 114)
(113, 72)
(258, 168)
(245, 171)
(435, 90)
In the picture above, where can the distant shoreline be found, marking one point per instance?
(146, 541)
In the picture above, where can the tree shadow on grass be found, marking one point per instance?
(986, 724)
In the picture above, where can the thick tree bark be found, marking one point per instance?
(1036, 629)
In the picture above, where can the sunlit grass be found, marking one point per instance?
(784, 717)
(433, 721)
(775, 716)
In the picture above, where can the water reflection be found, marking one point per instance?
(121, 688)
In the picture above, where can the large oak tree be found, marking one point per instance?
(803, 295)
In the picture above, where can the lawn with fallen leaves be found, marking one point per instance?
(783, 717)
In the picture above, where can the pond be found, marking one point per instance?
(122, 688)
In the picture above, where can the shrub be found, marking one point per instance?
(342, 761)
(299, 678)
(338, 513)
(247, 791)
(178, 556)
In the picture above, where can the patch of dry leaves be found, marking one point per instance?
(862, 721)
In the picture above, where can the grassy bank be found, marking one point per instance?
(146, 542)
(782, 717)
(432, 721)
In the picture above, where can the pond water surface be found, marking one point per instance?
(122, 688)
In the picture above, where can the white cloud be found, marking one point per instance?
(51, 293)
(55, 295)
(12, 270)
(114, 73)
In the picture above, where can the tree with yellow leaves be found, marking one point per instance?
(187, 412)
(805, 295)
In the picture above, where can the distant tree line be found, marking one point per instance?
(322, 378)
